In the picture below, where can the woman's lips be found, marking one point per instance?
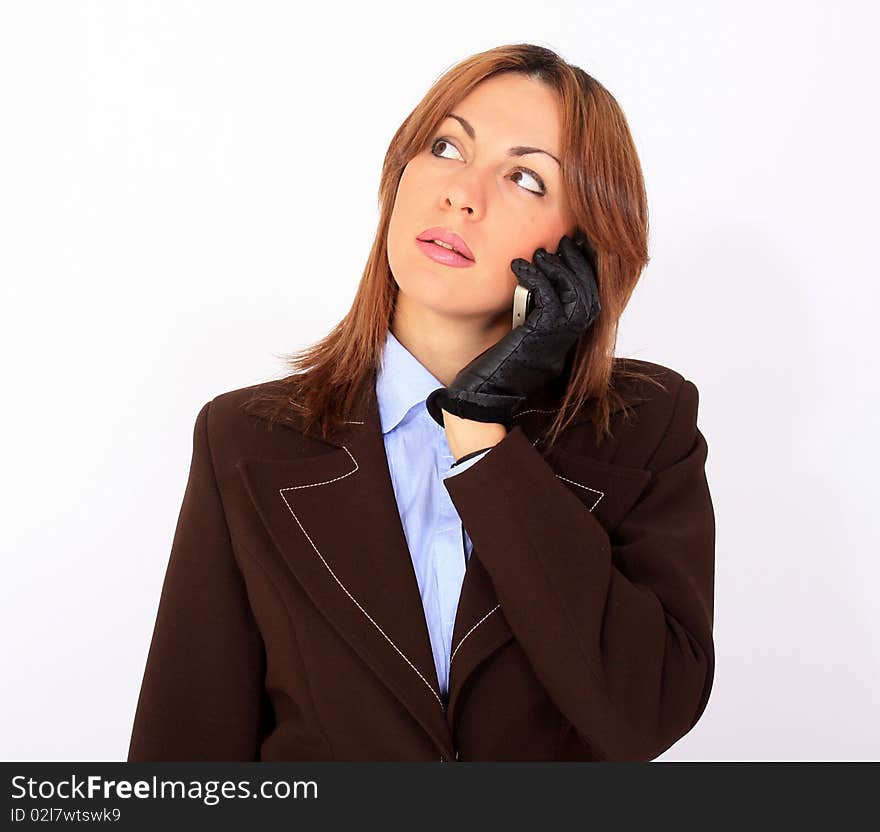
(444, 255)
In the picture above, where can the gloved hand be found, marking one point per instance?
(494, 386)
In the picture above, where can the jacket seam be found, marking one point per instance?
(217, 483)
(233, 546)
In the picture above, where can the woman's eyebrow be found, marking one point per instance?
(519, 150)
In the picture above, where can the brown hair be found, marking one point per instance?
(606, 191)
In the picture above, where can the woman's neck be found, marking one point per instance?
(443, 345)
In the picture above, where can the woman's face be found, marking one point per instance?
(503, 206)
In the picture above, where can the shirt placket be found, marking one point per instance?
(450, 562)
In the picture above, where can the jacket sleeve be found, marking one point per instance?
(619, 636)
(200, 697)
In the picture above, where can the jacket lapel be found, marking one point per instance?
(334, 518)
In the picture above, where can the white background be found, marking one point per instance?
(189, 190)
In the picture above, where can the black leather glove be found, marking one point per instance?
(494, 386)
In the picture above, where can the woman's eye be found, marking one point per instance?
(441, 141)
(535, 177)
(520, 170)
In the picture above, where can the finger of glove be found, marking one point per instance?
(561, 280)
(565, 285)
(584, 275)
(553, 277)
(537, 281)
(572, 297)
(584, 247)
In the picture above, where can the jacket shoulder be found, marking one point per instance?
(238, 411)
(657, 385)
(644, 366)
(665, 407)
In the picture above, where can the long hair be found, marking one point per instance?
(603, 179)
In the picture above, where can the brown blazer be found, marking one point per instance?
(290, 625)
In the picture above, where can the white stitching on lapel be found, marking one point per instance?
(587, 487)
(579, 485)
(497, 606)
(344, 588)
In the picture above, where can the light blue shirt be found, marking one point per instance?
(419, 460)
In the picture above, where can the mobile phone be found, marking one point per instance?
(523, 303)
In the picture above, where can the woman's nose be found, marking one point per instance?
(465, 192)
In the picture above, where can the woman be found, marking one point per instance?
(441, 537)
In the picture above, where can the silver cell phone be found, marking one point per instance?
(522, 305)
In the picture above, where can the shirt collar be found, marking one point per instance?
(402, 382)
